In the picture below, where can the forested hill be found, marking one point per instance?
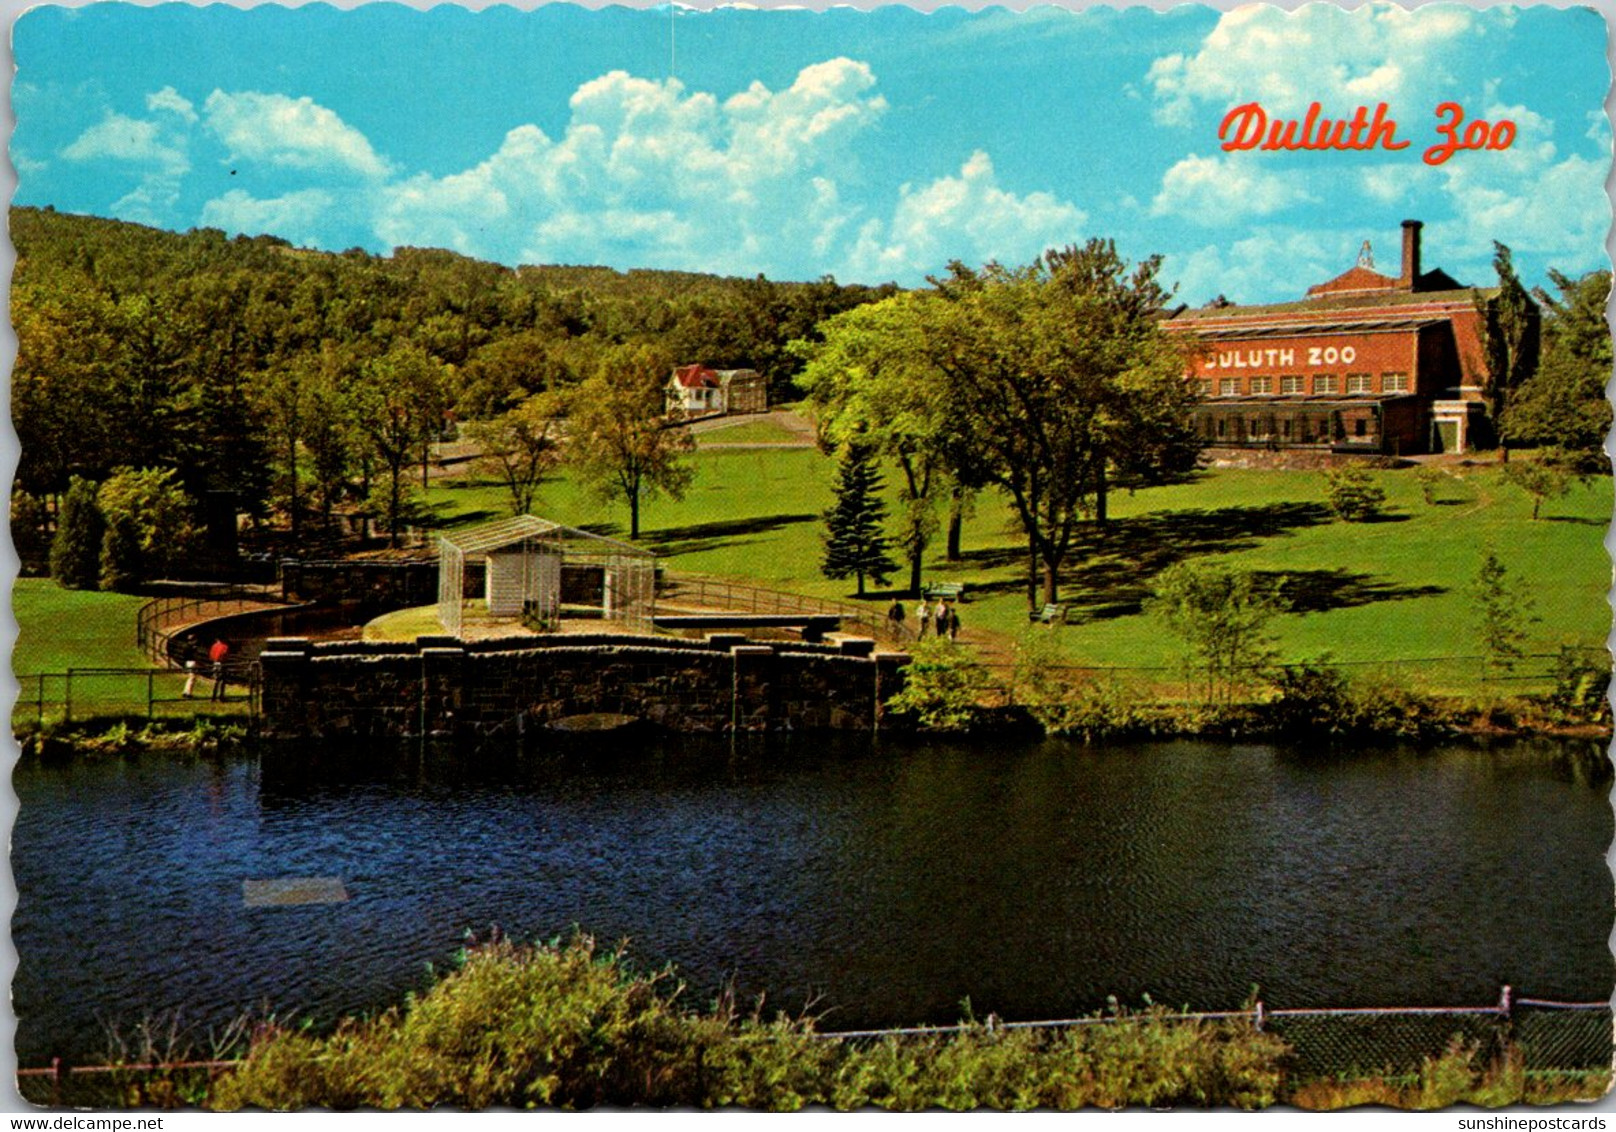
(149, 348)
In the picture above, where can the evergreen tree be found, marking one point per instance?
(75, 556)
(1502, 610)
(855, 545)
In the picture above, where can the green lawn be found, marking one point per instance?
(1365, 592)
(60, 629)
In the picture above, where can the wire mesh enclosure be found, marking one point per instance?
(540, 573)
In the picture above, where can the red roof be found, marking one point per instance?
(696, 377)
(1359, 278)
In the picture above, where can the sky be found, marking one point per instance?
(872, 146)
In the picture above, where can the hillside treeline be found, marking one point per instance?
(298, 379)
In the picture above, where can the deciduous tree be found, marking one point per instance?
(619, 436)
(395, 405)
(519, 447)
(1510, 330)
(1563, 404)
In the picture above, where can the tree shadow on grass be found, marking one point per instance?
(1317, 591)
(1111, 567)
(698, 537)
(1577, 519)
(438, 516)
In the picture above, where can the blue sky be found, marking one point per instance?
(871, 146)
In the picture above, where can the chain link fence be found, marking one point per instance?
(1550, 1037)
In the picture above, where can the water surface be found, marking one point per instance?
(884, 885)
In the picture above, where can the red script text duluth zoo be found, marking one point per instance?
(1248, 126)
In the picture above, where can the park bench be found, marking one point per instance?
(946, 591)
(1048, 615)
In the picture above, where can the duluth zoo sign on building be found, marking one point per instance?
(1365, 362)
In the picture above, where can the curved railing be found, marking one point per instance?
(722, 595)
(161, 618)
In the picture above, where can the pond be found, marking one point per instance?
(883, 885)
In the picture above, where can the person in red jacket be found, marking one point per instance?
(217, 653)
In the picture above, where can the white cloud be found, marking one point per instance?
(1527, 196)
(134, 140)
(171, 101)
(1273, 265)
(967, 217)
(1387, 184)
(1215, 190)
(296, 133)
(296, 216)
(1320, 52)
(737, 185)
(157, 151)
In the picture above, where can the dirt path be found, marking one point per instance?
(800, 428)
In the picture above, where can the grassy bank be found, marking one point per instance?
(568, 1026)
(1369, 594)
(60, 629)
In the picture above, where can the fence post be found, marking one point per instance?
(1259, 1017)
(1506, 1002)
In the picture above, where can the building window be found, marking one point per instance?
(1262, 385)
(1394, 383)
(1223, 428)
(1326, 383)
(1360, 427)
(1204, 387)
(1359, 383)
(1229, 387)
(1292, 384)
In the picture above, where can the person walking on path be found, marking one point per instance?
(216, 654)
(895, 618)
(942, 619)
(922, 619)
(953, 622)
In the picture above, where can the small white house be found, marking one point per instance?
(696, 391)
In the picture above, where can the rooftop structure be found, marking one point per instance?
(1366, 362)
(538, 572)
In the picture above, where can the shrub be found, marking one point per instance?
(75, 556)
(1221, 614)
(1071, 703)
(1312, 697)
(1581, 680)
(1351, 494)
(565, 1026)
(943, 687)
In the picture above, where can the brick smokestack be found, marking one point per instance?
(1410, 276)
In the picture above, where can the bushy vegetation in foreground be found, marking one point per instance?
(573, 1027)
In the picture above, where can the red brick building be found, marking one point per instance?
(1365, 363)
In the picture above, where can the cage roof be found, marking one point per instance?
(510, 532)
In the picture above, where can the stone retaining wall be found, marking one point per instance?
(444, 687)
